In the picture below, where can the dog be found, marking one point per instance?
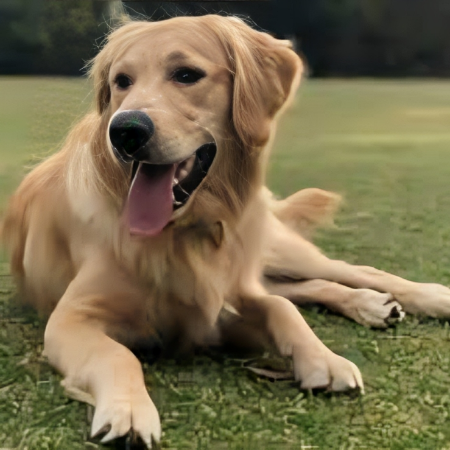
(153, 223)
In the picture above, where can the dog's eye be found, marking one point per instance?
(122, 81)
(187, 76)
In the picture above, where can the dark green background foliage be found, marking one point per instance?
(50, 36)
(384, 145)
(67, 30)
(337, 37)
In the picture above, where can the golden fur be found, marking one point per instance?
(73, 256)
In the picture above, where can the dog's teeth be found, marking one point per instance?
(175, 182)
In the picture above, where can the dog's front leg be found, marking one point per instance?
(94, 365)
(315, 365)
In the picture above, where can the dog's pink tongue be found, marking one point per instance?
(150, 200)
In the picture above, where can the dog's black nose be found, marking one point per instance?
(129, 131)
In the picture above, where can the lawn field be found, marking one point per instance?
(385, 146)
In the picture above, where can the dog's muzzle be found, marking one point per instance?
(157, 189)
(129, 133)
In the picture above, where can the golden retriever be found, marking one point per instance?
(153, 220)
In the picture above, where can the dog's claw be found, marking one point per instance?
(103, 430)
(136, 414)
(109, 436)
(395, 315)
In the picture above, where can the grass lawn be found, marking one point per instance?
(385, 145)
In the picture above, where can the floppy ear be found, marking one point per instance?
(115, 43)
(98, 70)
(99, 75)
(266, 75)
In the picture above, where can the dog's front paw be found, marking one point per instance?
(326, 370)
(120, 415)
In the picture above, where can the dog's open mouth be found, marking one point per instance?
(159, 189)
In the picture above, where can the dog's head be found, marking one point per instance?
(189, 103)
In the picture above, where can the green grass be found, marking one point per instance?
(385, 146)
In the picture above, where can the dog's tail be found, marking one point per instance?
(307, 210)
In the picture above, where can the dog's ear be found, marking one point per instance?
(266, 75)
(98, 72)
(98, 68)
(102, 90)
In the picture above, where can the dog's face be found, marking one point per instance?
(179, 77)
(185, 93)
(170, 99)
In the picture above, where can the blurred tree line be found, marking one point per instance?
(337, 37)
(50, 36)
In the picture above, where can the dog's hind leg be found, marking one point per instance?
(288, 256)
(365, 306)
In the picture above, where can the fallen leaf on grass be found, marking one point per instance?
(273, 374)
